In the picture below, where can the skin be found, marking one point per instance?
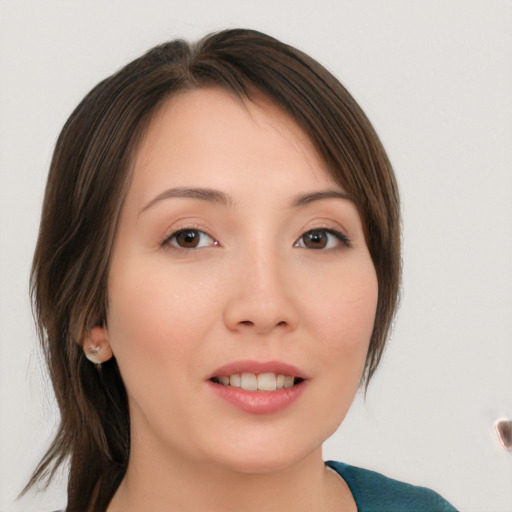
(251, 289)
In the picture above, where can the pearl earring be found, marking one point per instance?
(93, 354)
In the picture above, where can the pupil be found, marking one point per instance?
(316, 239)
(187, 239)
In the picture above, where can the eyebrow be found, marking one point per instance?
(204, 194)
(305, 199)
(216, 196)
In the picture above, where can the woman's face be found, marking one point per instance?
(237, 260)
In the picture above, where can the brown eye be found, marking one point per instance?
(322, 239)
(190, 239)
(315, 239)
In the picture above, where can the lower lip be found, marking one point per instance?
(258, 402)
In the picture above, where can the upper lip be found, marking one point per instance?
(257, 367)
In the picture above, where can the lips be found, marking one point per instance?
(258, 387)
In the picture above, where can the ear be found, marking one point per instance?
(96, 346)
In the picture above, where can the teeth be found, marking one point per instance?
(288, 382)
(234, 380)
(224, 380)
(267, 381)
(248, 381)
(253, 382)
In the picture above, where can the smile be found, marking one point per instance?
(261, 382)
(258, 387)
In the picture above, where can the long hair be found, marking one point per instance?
(88, 179)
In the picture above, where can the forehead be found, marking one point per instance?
(200, 110)
(212, 138)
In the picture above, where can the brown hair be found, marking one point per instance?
(88, 179)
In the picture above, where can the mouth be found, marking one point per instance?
(267, 381)
(259, 387)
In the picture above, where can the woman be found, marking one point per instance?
(216, 272)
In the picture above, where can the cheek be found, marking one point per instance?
(344, 311)
(156, 318)
(341, 323)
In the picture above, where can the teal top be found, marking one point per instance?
(374, 492)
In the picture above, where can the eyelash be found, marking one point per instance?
(341, 237)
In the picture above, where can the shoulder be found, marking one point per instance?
(374, 492)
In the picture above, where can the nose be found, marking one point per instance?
(262, 299)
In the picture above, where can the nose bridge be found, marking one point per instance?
(264, 266)
(262, 298)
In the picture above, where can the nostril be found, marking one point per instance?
(250, 323)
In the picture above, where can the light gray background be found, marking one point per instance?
(435, 77)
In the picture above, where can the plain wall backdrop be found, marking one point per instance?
(435, 78)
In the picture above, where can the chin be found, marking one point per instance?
(266, 455)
